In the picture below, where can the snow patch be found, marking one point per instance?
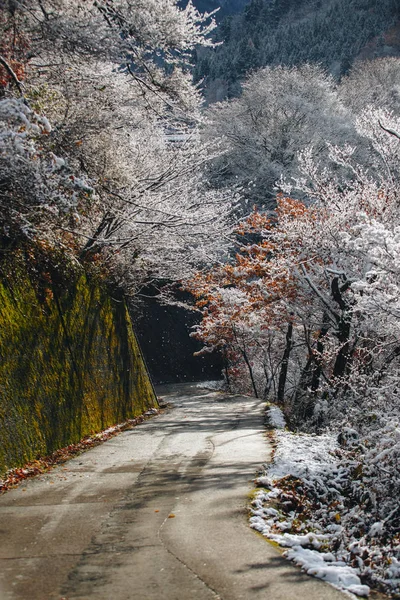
(275, 417)
(301, 455)
(335, 573)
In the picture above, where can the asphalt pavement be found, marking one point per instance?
(159, 512)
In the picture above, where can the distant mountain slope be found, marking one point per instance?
(290, 32)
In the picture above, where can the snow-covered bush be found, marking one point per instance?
(333, 502)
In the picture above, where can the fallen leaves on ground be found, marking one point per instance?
(39, 466)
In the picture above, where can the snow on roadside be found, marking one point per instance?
(217, 385)
(300, 503)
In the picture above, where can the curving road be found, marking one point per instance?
(155, 513)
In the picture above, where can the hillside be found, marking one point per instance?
(288, 32)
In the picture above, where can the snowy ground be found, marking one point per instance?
(307, 504)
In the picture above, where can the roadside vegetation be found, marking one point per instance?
(306, 312)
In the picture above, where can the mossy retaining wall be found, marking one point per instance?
(69, 363)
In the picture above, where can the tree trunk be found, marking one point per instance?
(342, 361)
(226, 369)
(246, 360)
(284, 366)
(344, 326)
(316, 376)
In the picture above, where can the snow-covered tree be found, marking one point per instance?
(113, 78)
(280, 112)
(150, 41)
(372, 83)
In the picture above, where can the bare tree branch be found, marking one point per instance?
(390, 131)
(12, 74)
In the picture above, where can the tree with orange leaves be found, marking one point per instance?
(246, 306)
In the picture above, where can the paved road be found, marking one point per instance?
(158, 512)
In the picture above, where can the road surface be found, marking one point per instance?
(156, 513)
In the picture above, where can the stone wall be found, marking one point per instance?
(69, 362)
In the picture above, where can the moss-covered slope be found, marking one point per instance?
(69, 363)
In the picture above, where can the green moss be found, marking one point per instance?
(69, 363)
